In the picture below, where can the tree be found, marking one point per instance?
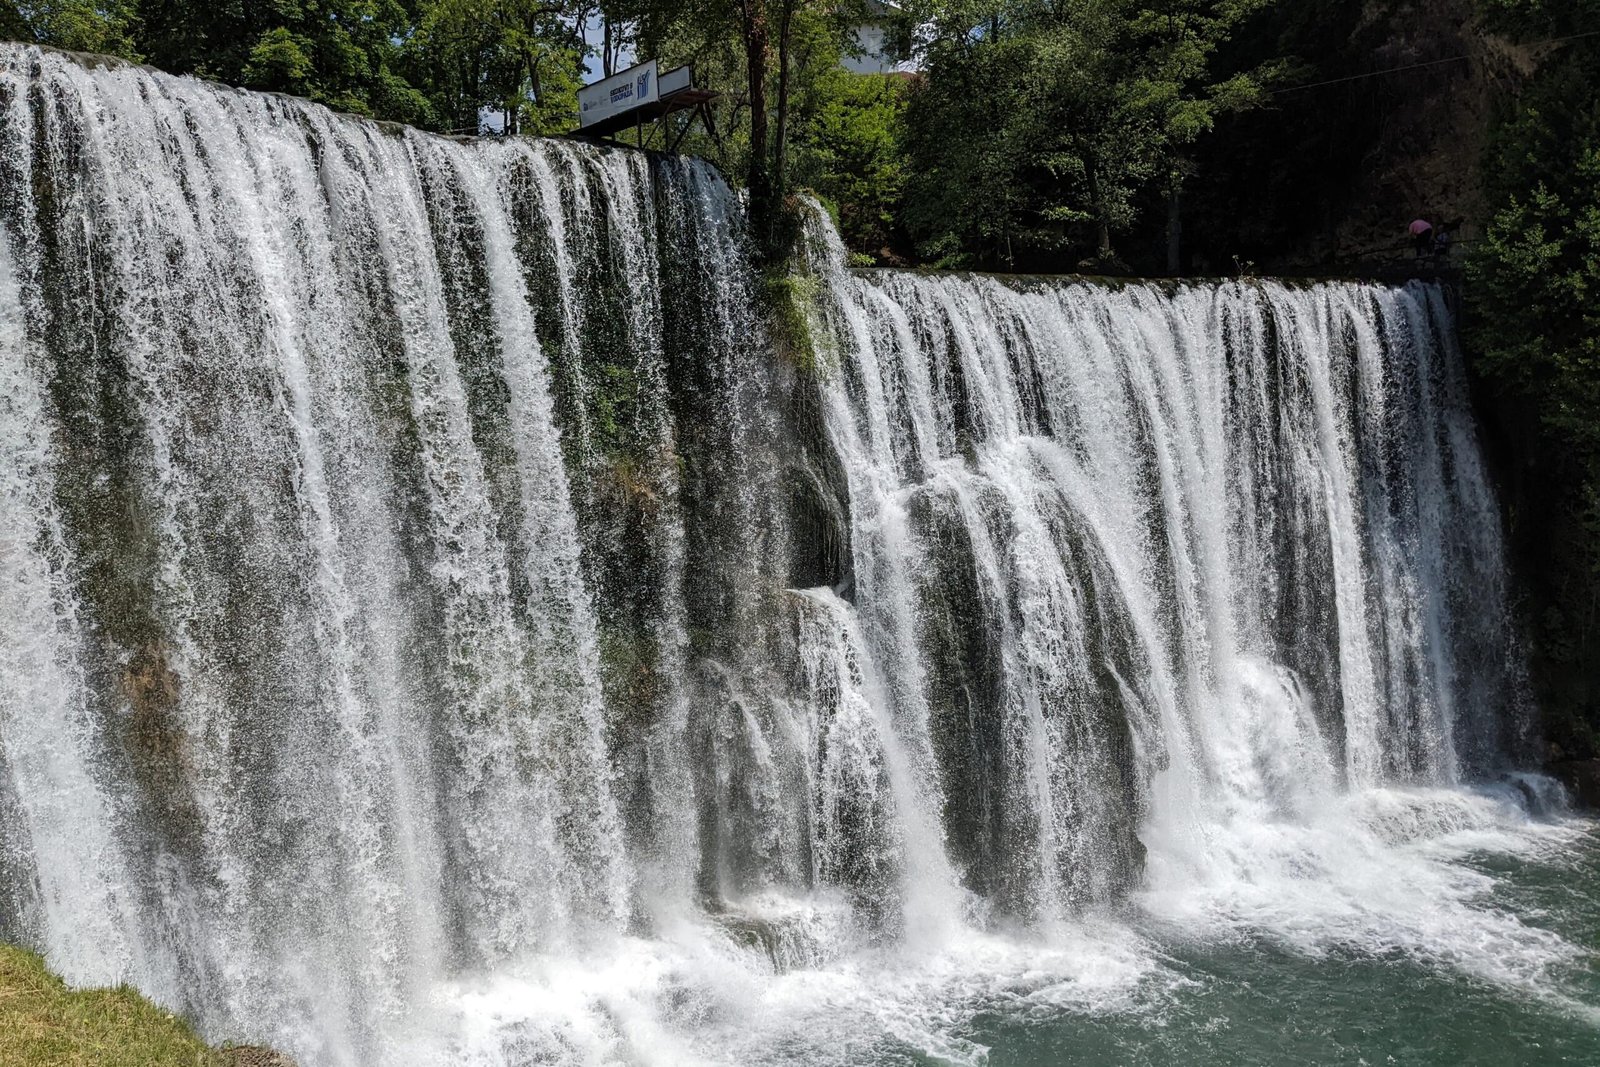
(103, 26)
(520, 58)
(768, 59)
(343, 53)
(1067, 112)
(848, 150)
(1533, 301)
(1536, 273)
(437, 64)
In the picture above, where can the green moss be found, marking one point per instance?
(794, 322)
(45, 1024)
(632, 678)
(613, 407)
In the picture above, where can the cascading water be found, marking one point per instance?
(437, 625)
(1164, 560)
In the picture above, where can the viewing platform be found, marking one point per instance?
(640, 94)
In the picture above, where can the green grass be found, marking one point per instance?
(45, 1024)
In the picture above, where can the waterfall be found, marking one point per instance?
(1156, 559)
(440, 624)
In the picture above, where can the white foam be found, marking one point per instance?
(701, 999)
(1378, 873)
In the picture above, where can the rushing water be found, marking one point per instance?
(439, 624)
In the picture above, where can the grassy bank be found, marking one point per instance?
(45, 1024)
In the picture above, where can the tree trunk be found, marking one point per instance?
(468, 115)
(753, 14)
(1102, 227)
(780, 141)
(1174, 234)
(535, 83)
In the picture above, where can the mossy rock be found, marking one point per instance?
(794, 321)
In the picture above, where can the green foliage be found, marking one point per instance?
(791, 302)
(611, 407)
(1534, 304)
(1537, 286)
(520, 58)
(1065, 114)
(848, 149)
(707, 35)
(280, 58)
(431, 63)
(343, 53)
(1536, 274)
(1532, 20)
(103, 26)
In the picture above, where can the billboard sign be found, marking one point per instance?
(618, 94)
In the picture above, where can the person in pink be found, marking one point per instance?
(1422, 236)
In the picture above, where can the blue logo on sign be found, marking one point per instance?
(644, 85)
